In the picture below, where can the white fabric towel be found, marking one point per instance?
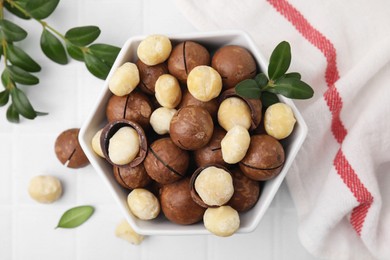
(340, 180)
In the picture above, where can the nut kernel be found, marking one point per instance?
(234, 111)
(124, 146)
(214, 186)
(45, 189)
(143, 204)
(168, 92)
(204, 83)
(160, 119)
(96, 147)
(279, 120)
(124, 231)
(235, 144)
(124, 80)
(222, 221)
(154, 49)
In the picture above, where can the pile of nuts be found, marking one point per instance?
(183, 142)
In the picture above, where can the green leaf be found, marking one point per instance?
(268, 98)
(21, 59)
(76, 216)
(261, 80)
(106, 52)
(22, 104)
(12, 114)
(75, 51)
(11, 32)
(6, 79)
(96, 66)
(16, 11)
(4, 97)
(279, 61)
(53, 48)
(293, 75)
(41, 9)
(41, 113)
(82, 36)
(21, 76)
(292, 88)
(248, 88)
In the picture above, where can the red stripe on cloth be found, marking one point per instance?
(335, 104)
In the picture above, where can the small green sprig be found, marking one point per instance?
(76, 43)
(278, 81)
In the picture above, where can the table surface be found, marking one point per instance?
(68, 92)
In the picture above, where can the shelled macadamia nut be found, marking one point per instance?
(167, 91)
(143, 204)
(45, 188)
(234, 64)
(221, 221)
(178, 205)
(124, 80)
(279, 120)
(149, 75)
(154, 49)
(234, 111)
(96, 147)
(214, 186)
(132, 177)
(160, 119)
(184, 57)
(68, 149)
(124, 231)
(204, 83)
(235, 144)
(124, 146)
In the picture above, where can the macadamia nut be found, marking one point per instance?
(235, 144)
(279, 120)
(45, 189)
(204, 83)
(124, 231)
(222, 221)
(96, 147)
(168, 92)
(234, 111)
(124, 80)
(124, 146)
(160, 119)
(154, 49)
(214, 186)
(143, 204)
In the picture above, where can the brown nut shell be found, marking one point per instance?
(246, 191)
(191, 127)
(264, 159)
(184, 57)
(68, 149)
(189, 100)
(111, 128)
(177, 204)
(211, 153)
(234, 64)
(254, 104)
(149, 75)
(135, 107)
(194, 194)
(166, 162)
(132, 177)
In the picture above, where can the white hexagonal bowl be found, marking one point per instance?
(161, 226)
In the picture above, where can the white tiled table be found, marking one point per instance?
(68, 93)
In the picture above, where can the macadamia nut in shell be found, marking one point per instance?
(221, 221)
(204, 83)
(124, 80)
(45, 188)
(279, 120)
(143, 204)
(154, 49)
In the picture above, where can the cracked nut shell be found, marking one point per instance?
(149, 75)
(166, 162)
(132, 177)
(189, 100)
(178, 205)
(68, 149)
(264, 158)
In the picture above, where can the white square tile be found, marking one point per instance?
(6, 242)
(6, 152)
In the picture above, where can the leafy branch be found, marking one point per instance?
(278, 81)
(76, 43)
